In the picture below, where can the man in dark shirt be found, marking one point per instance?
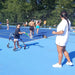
(17, 36)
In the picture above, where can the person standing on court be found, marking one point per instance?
(62, 38)
(44, 23)
(37, 27)
(17, 36)
(7, 21)
(32, 27)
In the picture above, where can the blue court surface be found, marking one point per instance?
(37, 59)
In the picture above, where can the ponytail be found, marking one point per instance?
(67, 22)
(64, 15)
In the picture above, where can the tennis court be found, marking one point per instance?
(38, 57)
(42, 31)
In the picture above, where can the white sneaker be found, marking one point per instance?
(69, 63)
(57, 65)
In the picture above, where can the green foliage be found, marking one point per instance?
(1, 6)
(21, 10)
(43, 4)
(16, 10)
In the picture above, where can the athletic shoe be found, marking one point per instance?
(19, 47)
(14, 49)
(57, 65)
(69, 63)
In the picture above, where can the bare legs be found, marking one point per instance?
(15, 44)
(31, 32)
(37, 30)
(7, 27)
(62, 50)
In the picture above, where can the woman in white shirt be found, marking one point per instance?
(62, 39)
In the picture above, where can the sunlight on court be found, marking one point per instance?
(36, 59)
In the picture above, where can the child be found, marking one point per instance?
(17, 36)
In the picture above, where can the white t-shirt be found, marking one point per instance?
(62, 39)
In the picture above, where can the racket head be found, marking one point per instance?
(29, 35)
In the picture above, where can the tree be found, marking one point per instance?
(16, 9)
(42, 4)
(1, 6)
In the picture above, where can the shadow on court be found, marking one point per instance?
(27, 46)
(32, 44)
(0, 49)
(72, 56)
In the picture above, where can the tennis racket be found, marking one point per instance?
(29, 35)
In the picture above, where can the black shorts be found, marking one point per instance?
(32, 28)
